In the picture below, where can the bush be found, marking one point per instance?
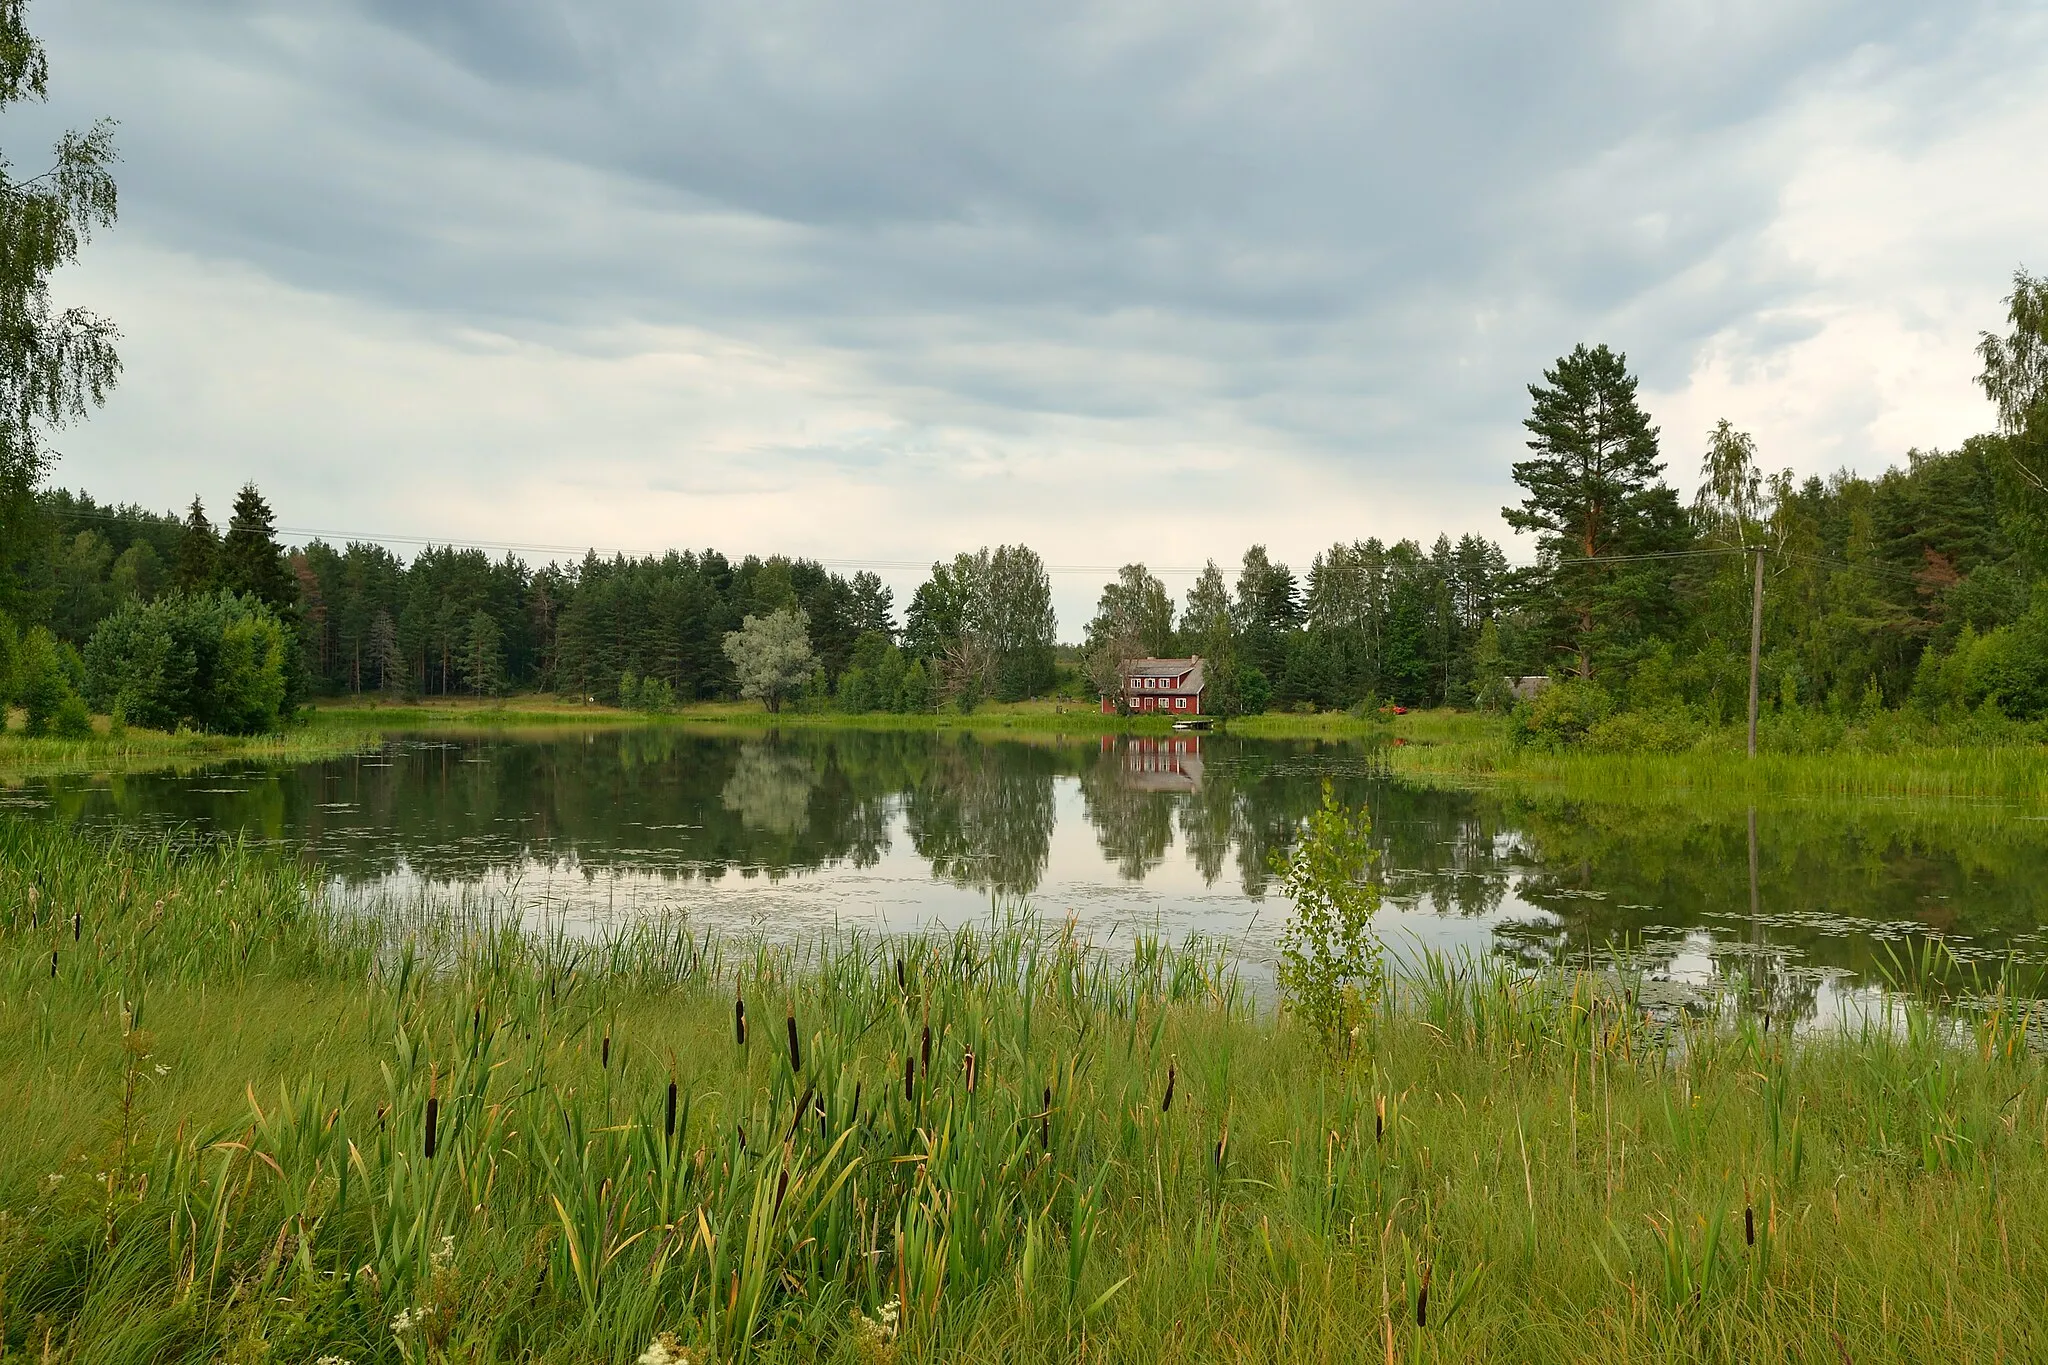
(73, 720)
(1330, 966)
(218, 663)
(1560, 716)
(1670, 731)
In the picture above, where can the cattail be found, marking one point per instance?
(1045, 1122)
(1379, 1121)
(433, 1121)
(781, 1188)
(925, 1054)
(1422, 1297)
(605, 1054)
(856, 1099)
(53, 964)
(910, 1080)
(668, 1127)
(796, 1061)
(967, 1060)
(77, 925)
(739, 1020)
(899, 976)
(1748, 1225)
(1172, 1073)
(803, 1106)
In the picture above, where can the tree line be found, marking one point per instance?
(1917, 586)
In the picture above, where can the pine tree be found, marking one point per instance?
(1593, 492)
(251, 560)
(198, 553)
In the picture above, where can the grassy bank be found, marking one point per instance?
(1465, 747)
(246, 1125)
(22, 757)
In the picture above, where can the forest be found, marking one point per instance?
(1916, 588)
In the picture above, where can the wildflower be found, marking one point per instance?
(665, 1350)
(334, 1360)
(444, 1255)
(162, 1070)
(407, 1319)
(882, 1327)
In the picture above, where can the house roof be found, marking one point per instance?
(1189, 669)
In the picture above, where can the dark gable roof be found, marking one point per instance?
(1191, 669)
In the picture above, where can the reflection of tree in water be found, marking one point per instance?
(1133, 826)
(983, 815)
(770, 789)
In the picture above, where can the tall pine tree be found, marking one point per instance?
(1594, 494)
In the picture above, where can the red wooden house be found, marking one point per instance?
(1171, 685)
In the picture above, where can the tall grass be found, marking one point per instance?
(242, 1123)
(24, 757)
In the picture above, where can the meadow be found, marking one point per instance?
(251, 1120)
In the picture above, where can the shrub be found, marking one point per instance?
(1669, 731)
(1330, 965)
(1560, 716)
(46, 679)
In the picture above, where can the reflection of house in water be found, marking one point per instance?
(1160, 765)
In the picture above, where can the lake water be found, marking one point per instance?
(794, 830)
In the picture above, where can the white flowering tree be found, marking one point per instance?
(771, 656)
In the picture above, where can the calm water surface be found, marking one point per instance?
(806, 828)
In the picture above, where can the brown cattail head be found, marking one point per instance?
(910, 1080)
(901, 985)
(433, 1124)
(781, 1188)
(739, 1020)
(605, 1055)
(796, 1061)
(1172, 1074)
(1748, 1225)
(53, 964)
(1379, 1120)
(1422, 1297)
(668, 1127)
(77, 925)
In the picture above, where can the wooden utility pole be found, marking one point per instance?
(1756, 643)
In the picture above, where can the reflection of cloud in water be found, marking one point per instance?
(770, 790)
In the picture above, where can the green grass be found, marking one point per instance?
(217, 1085)
(1464, 747)
(23, 757)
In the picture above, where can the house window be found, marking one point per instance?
(1180, 703)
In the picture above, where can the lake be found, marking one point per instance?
(788, 831)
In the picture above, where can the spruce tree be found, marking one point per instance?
(198, 553)
(251, 560)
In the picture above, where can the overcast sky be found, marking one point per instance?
(883, 281)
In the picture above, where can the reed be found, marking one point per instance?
(393, 1133)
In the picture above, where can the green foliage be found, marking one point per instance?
(1560, 716)
(771, 657)
(216, 663)
(1254, 693)
(55, 366)
(251, 562)
(1330, 968)
(47, 676)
